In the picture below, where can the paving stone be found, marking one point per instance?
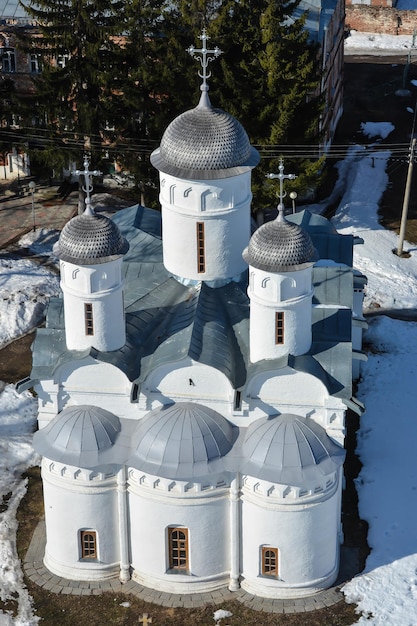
(66, 591)
(56, 589)
(96, 592)
(76, 591)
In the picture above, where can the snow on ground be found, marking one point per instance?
(370, 43)
(386, 592)
(23, 300)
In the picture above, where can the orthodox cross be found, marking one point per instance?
(204, 56)
(281, 177)
(88, 185)
(145, 620)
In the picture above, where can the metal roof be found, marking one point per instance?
(180, 440)
(289, 450)
(90, 238)
(204, 143)
(279, 246)
(167, 321)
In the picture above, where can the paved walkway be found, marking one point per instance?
(37, 572)
(16, 216)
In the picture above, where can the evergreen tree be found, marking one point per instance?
(268, 79)
(76, 102)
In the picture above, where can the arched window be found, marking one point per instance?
(178, 548)
(88, 544)
(269, 561)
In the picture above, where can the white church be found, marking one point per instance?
(194, 378)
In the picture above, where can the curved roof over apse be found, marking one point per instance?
(291, 450)
(205, 143)
(180, 441)
(279, 246)
(79, 436)
(89, 239)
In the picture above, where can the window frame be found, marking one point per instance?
(201, 251)
(175, 557)
(89, 319)
(88, 544)
(279, 328)
(270, 563)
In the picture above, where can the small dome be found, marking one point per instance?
(78, 436)
(291, 450)
(89, 238)
(279, 246)
(179, 441)
(202, 143)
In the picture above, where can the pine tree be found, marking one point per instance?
(76, 102)
(268, 79)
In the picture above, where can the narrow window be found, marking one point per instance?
(270, 561)
(88, 544)
(201, 262)
(88, 316)
(279, 327)
(178, 548)
(9, 60)
(238, 400)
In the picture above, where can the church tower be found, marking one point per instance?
(90, 250)
(205, 161)
(280, 256)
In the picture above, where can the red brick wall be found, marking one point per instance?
(380, 19)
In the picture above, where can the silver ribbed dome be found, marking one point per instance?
(78, 436)
(89, 238)
(204, 143)
(289, 449)
(279, 246)
(179, 441)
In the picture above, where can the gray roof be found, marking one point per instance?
(204, 143)
(167, 321)
(289, 449)
(180, 441)
(90, 238)
(279, 246)
(79, 436)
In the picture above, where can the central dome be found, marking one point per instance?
(204, 143)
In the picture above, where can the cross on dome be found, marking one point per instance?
(203, 55)
(281, 177)
(88, 186)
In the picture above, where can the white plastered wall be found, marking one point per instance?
(224, 207)
(305, 531)
(88, 382)
(287, 292)
(157, 504)
(78, 500)
(100, 285)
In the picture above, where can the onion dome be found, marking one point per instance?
(89, 239)
(279, 246)
(291, 450)
(204, 143)
(79, 436)
(180, 441)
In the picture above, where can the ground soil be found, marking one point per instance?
(370, 95)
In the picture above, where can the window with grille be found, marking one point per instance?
(88, 317)
(201, 261)
(270, 561)
(178, 548)
(88, 544)
(279, 327)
